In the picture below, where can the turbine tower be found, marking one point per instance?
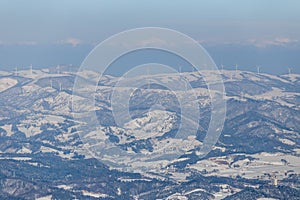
(236, 70)
(58, 69)
(148, 79)
(16, 71)
(180, 77)
(30, 69)
(290, 70)
(258, 69)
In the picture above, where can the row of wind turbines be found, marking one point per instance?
(236, 67)
(16, 72)
(31, 75)
(222, 68)
(257, 69)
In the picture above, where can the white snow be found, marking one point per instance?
(90, 75)
(5, 73)
(94, 194)
(65, 187)
(7, 128)
(292, 77)
(177, 196)
(133, 179)
(6, 83)
(276, 78)
(24, 150)
(277, 95)
(29, 129)
(30, 88)
(48, 197)
(287, 141)
(37, 74)
(15, 158)
(263, 163)
(155, 123)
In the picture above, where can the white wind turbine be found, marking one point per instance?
(30, 69)
(58, 69)
(258, 69)
(148, 78)
(16, 71)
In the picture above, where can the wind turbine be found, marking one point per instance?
(242, 95)
(258, 69)
(16, 71)
(148, 78)
(51, 84)
(180, 76)
(290, 70)
(58, 69)
(30, 69)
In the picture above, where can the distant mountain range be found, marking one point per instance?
(43, 152)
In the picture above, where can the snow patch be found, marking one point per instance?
(6, 83)
(286, 141)
(49, 197)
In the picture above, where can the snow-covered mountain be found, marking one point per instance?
(40, 136)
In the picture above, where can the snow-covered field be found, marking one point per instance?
(264, 163)
(6, 83)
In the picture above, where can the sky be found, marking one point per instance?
(64, 31)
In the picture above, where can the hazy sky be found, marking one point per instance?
(34, 21)
(260, 23)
